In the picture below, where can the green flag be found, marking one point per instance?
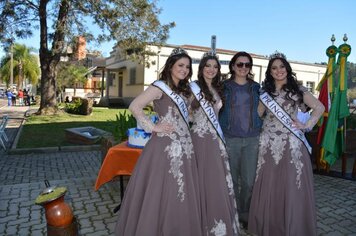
(333, 141)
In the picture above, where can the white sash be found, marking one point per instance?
(178, 100)
(208, 109)
(284, 118)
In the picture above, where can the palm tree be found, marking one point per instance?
(69, 75)
(25, 66)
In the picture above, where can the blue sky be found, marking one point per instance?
(301, 28)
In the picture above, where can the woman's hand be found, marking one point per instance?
(163, 127)
(299, 125)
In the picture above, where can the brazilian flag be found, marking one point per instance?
(333, 141)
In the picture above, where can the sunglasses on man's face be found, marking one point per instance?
(241, 64)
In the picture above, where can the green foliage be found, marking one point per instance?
(69, 75)
(124, 122)
(73, 107)
(351, 122)
(351, 94)
(79, 106)
(352, 75)
(148, 109)
(25, 66)
(134, 24)
(123, 20)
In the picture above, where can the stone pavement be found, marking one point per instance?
(22, 180)
(16, 116)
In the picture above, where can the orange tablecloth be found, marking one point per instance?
(120, 160)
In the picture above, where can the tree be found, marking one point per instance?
(70, 75)
(25, 66)
(352, 71)
(133, 23)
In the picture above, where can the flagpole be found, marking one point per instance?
(327, 166)
(345, 128)
(344, 160)
(343, 156)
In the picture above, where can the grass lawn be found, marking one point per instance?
(48, 131)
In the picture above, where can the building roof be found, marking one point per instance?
(218, 50)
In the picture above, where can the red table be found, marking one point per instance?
(120, 160)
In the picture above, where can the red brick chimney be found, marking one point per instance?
(81, 52)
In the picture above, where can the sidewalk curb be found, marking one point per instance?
(75, 148)
(54, 149)
(17, 137)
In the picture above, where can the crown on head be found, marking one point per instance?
(277, 54)
(178, 51)
(211, 53)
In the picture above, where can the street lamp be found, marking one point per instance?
(11, 65)
(158, 52)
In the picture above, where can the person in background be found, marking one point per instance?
(241, 126)
(13, 99)
(219, 213)
(283, 197)
(20, 95)
(33, 98)
(27, 97)
(162, 196)
(9, 96)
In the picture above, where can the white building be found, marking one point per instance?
(126, 79)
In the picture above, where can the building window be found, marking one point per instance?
(111, 79)
(132, 76)
(310, 86)
(97, 73)
(89, 62)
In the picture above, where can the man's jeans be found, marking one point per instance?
(243, 153)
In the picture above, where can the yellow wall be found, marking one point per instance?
(146, 75)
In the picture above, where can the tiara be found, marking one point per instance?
(178, 51)
(277, 54)
(211, 53)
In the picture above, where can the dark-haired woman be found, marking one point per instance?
(283, 196)
(162, 196)
(241, 125)
(219, 213)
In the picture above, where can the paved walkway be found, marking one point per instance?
(22, 180)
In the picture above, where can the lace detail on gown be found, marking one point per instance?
(137, 105)
(295, 146)
(181, 145)
(317, 107)
(204, 127)
(283, 200)
(275, 137)
(219, 228)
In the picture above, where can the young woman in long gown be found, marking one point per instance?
(283, 196)
(162, 196)
(219, 213)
